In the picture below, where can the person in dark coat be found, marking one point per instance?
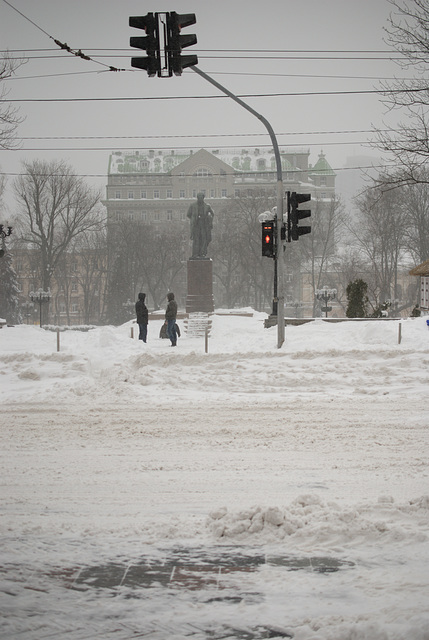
(142, 316)
(170, 316)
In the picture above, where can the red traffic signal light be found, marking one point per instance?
(268, 239)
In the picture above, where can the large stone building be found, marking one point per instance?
(157, 186)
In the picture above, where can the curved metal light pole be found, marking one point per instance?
(279, 254)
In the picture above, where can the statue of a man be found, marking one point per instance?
(201, 218)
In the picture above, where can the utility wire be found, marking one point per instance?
(255, 51)
(244, 95)
(201, 135)
(62, 45)
(71, 73)
(232, 57)
(112, 149)
(222, 73)
(236, 174)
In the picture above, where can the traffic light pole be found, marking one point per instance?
(278, 267)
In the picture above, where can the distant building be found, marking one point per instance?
(158, 186)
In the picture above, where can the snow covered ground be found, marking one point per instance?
(114, 452)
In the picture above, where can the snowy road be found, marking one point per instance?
(158, 495)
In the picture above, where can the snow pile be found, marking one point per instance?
(317, 522)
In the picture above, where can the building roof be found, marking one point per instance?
(322, 166)
(421, 270)
(163, 161)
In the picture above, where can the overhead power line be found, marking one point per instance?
(122, 148)
(64, 46)
(220, 73)
(203, 97)
(201, 135)
(254, 51)
(105, 175)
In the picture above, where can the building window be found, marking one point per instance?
(143, 195)
(169, 216)
(117, 195)
(143, 216)
(130, 195)
(237, 193)
(74, 267)
(156, 194)
(169, 193)
(74, 286)
(202, 172)
(212, 193)
(157, 216)
(130, 215)
(224, 193)
(182, 193)
(117, 216)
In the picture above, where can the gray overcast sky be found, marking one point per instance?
(228, 31)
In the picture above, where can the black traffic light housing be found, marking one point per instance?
(268, 239)
(150, 42)
(163, 42)
(295, 215)
(176, 42)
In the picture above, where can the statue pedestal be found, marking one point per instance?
(200, 286)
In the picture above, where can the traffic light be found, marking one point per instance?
(149, 42)
(268, 239)
(295, 215)
(175, 42)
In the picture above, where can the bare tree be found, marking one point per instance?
(244, 277)
(142, 257)
(9, 118)
(408, 34)
(56, 206)
(380, 234)
(318, 250)
(415, 208)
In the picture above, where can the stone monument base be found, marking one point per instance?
(200, 286)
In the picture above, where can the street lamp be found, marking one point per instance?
(40, 297)
(326, 295)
